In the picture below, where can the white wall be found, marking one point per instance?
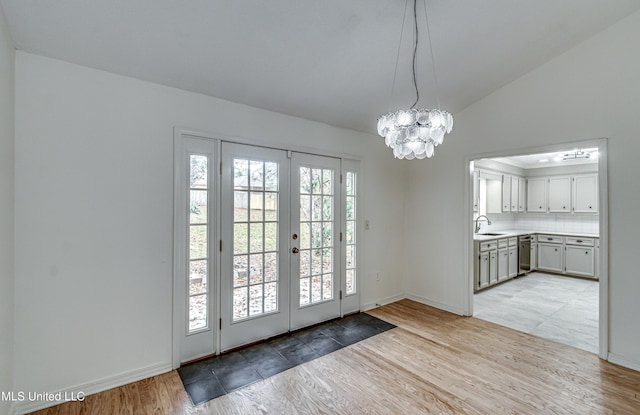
(94, 183)
(592, 91)
(7, 55)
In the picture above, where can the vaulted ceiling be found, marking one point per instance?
(331, 61)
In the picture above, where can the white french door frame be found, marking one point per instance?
(179, 247)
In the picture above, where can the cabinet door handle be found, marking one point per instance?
(556, 249)
(586, 252)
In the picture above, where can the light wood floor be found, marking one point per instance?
(434, 362)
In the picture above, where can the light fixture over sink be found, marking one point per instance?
(414, 133)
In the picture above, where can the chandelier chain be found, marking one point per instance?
(415, 52)
(433, 61)
(395, 71)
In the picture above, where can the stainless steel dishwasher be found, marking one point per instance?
(524, 256)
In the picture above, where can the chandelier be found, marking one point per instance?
(579, 154)
(414, 133)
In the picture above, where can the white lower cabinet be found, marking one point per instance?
(483, 271)
(493, 267)
(486, 269)
(503, 264)
(550, 257)
(579, 260)
(580, 256)
(513, 261)
(498, 259)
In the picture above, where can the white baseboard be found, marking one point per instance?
(623, 361)
(383, 301)
(417, 298)
(435, 304)
(90, 388)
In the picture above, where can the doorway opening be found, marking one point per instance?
(537, 242)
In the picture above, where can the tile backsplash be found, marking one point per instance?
(550, 222)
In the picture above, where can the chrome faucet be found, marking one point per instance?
(478, 224)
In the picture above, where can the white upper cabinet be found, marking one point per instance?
(585, 193)
(506, 193)
(537, 195)
(496, 192)
(560, 194)
(515, 190)
(521, 194)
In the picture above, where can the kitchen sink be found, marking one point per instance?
(491, 234)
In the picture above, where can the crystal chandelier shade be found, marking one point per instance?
(414, 133)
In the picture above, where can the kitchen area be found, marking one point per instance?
(536, 244)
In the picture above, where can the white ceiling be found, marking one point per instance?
(330, 61)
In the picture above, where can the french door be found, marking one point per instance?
(281, 218)
(255, 240)
(315, 239)
(264, 249)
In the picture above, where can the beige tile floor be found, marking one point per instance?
(562, 309)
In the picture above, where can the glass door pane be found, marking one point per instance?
(198, 243)
(350, 234)
(316, 227)
(255, 238)
(255, 219)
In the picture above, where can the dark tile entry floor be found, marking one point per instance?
(216, 376)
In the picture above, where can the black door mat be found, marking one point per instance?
(219, 375)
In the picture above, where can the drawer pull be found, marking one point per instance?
(579, 241)
(549, 239)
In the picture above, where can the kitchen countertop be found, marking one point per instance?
(517, 232)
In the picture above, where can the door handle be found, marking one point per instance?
(295, 250)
